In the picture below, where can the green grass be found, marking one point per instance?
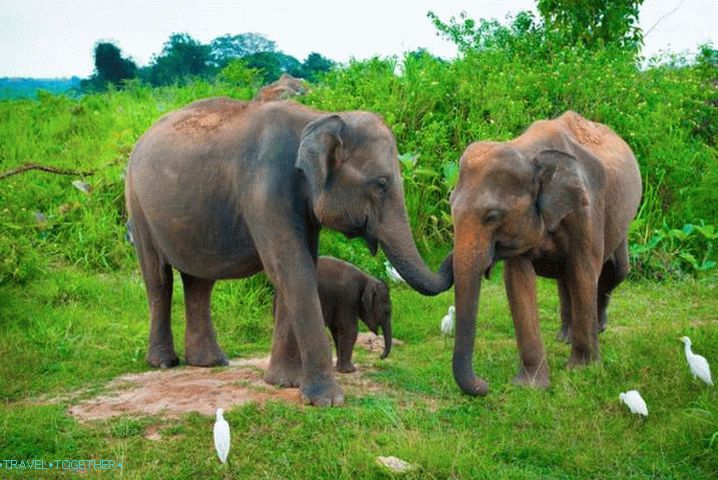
(71, 330)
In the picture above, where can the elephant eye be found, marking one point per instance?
(379, 186)
(493, 215)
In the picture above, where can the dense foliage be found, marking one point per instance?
(506, 77)
(110, 67)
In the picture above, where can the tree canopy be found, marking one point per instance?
(182, 57)
(110, 67)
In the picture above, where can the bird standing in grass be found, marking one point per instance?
(635, 402)
(447, 323)
(698, 363)
(221, 436)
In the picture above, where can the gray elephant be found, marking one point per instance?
(348, 294)
(223, 189)
(555, 201)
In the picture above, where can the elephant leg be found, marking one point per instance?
(520, 281)
(201, 348)
(299, 338)
(285, 366)
(614, 272)
(582, 282)
(158, 283)
(564, 334)
(347, 337)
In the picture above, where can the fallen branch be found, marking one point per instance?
(44, 168)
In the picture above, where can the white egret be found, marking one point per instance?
(698, 363)
(392, 273)
(447, 323)
(635, 402)
(221, 436)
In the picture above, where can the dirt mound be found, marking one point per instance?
(171, 393)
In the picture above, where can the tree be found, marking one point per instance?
(182, 56)
(238, 73)
(110, 67)
(314, 65)
(274, 64)
(289, 64)
(229, 47)
(594, 22)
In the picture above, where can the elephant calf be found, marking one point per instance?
(347, 294)
(555, 201)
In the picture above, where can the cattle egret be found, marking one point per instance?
(221, 436)
(634, 402)
(698, 363)
(392, 273)
(447, 323)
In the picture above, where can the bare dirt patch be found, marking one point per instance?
(170, 393)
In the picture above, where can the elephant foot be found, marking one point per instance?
(346, 368)
(536, 377)
(162, 358)
(204, 353)
(564, 335)
(322, 391)
(284, 374)
(581, 358)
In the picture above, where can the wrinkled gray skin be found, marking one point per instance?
(557, 202)
(223, 189)
(347, 294)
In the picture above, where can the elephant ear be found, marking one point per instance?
(318, 154)
(560, 189)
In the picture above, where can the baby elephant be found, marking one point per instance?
(347, 294)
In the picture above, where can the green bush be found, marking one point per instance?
(673, 252)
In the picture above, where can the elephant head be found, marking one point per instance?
(504, 205)
(350, 165)
(376, 311)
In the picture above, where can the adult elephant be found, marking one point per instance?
(556, 201)
(223, 189)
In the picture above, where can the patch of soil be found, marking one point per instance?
(170, 393)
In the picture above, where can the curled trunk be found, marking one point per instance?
(398, 244)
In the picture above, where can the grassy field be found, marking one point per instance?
(71, 331)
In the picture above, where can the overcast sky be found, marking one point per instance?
(53, 38)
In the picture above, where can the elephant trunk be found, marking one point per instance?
(470, 263)
(386, 331)
(398, 244)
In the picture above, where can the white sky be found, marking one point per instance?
(54, 38)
